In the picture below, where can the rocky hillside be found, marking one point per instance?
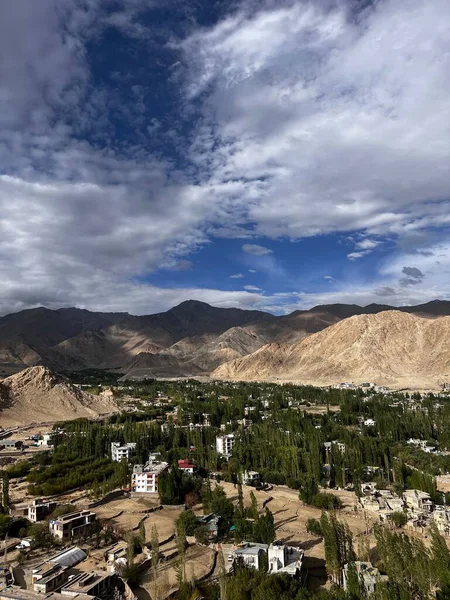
(190, 339)
(38, 395)
(393, 348)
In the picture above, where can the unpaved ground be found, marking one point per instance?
(291, 515)
(125, 514)
(164, 521)
(199, 561)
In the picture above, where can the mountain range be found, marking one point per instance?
(323, 344)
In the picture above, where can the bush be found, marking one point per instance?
(399, 519)
(313, 526)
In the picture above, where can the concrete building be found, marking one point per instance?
(224, 444)
(122, 451)
(417, 501)
(250, 554)
(11, 444)
(39, 509)
(368, 575)
(251, 478)
(72, 525)
(97, 585)
(285, 559)
(144, 478)
(51, 574)
(186, 466)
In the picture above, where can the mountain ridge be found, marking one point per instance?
(190, 338)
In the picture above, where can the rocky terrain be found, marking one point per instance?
(190, 339)
(392, 348)
(38, 395)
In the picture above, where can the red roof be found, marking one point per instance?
(184, 463)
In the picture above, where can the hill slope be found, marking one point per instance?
(36, 394)
(392, 348)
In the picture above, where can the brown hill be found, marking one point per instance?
(391, 348)
(192, 338)
(38, 395)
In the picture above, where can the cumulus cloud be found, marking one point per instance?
(309, 122)
(256, 249)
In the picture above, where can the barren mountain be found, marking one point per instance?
(38, 395)
(392, 348)
(192, 338)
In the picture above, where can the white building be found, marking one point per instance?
(418, 501)
(224, 444)
(285, 559)
(144, 478)
(251, 478)
(368, 575)
(120, 452)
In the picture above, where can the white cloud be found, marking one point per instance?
(367, 244)
(333, 123)
(252, 271)
(311, 122)
(252, 288)
(256, 249)
(237, 276)
(328, 277)
(356, 255)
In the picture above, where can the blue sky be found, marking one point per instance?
(259, 154)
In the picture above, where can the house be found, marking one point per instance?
(251, 478)
(285, 559)
(51, 574)
(211, 523)
(121, 452)
(249, 554)
(224, 444)
(11, 444)
(96, 585)
(39, 509)
(72, 525)
(115, 552)
(185, 466)
(144, 478)
(417, 501)
(368, 575)
(49, 439)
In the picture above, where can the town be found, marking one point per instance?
(205, 489)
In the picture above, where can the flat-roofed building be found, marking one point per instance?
(144, 478)
(39, 509)
(99, 585)
(121, 452)
(72, 525)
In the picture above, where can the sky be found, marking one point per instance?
(262, 154)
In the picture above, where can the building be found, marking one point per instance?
(185, 466)
(211, 524)
(368, 575)
(97, 585)
(51, 574)
(144, 478)
(115, 552)
(285, 559)
(72, 525)
(50, 439)
(224, 444)
(249, 554)
(122, 451)
(11, 444)
(39, 509)
(251, 478)
(417, 501)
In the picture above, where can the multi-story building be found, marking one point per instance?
(144, 478)
(72, 525)
(122, 451)
(249, 554)
(51, 574)
(285, 559)
(38, 510)
(224, 444)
